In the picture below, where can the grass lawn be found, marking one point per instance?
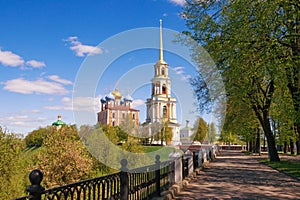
(152, 148)
(289, 167)
(163, 151)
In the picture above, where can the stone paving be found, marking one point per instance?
(234, 175)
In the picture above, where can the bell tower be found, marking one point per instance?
(161, 106)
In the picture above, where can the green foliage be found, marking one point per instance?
(126, 128)
(212, 133)
(101, 142)
(11, 167)
(104, 143)
(36, 137)
(200, 130)
(255, 45)
(229, 138)
(168, 134)
(63, 158)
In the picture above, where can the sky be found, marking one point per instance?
(45, 46)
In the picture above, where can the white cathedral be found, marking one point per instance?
(161, 106)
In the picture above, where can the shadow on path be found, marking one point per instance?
(234, 175)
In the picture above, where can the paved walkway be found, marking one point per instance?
(236, 176)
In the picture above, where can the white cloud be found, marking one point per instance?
(39, 86)
(34, 111)
(90, 104)
(186, 78)
(179, 70)
(8, 58)
(60, 80)
(19, 120)
(55, 108)
(137, 102)
(178, 2)
(35, 64)
(66, 100)
(82, 49)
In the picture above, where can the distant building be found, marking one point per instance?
(186, 134)
(59, 123)
(115, 108)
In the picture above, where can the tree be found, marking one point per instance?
(288, 37)
(283, 119)
(36, 137)
(200, 130)
(251, 42)
(63, 158)
(240, 124)
(11, 168)
(212, 133)
(168, 134)
(101, 141)
(127, 127)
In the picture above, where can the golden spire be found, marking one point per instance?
(161, 55)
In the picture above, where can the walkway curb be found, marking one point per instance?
(175, 189)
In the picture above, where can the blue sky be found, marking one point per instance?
(44, 43)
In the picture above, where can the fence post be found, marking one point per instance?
(201, 157)
(176, 158)
(157, 175)
(195, 160)
(124, 186)
(35, 189)
(190, 167)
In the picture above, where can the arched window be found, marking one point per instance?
(164, 111)
(164, 89)
(163, 71)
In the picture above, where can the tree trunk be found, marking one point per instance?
(298, 146)
(264, 143)
(250, 146)
(270, 138)
(292, 147)
(258, 141)
(285, 147)
(297, 131)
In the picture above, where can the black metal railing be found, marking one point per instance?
(136, 184)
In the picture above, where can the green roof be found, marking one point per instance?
(59, 122)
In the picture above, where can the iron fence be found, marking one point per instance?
(136, 184)
(141, 183)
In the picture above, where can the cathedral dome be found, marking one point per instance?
(59, 122)
(128, 98)
(110, 96)
(102, 100)
(117, 94)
